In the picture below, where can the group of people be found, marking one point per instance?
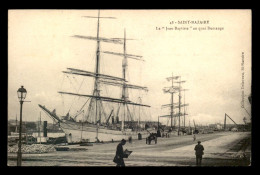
(167, 135)
(120, 155)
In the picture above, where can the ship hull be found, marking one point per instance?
(77, 132)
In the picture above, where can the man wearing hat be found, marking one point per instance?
(199, 152)
(119, 157)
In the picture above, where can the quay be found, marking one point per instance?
(221, 149)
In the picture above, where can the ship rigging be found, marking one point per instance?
(96, 99)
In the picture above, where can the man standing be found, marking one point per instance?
(119, 157)
(199, 152)
(130, 139)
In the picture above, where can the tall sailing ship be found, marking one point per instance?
(174, 115)
(97, 125)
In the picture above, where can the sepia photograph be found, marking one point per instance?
(129, 88)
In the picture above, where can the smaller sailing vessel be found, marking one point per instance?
(173, 116)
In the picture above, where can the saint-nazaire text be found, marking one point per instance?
(190, 22)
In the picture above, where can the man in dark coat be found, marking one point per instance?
(199, 152)
(119, 158)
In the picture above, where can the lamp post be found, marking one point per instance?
(21, 96)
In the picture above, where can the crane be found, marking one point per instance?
(230, 119)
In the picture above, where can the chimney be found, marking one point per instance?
(45, 129)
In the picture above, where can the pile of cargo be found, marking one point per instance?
(32, 149)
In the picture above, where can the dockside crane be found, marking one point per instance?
(230, 119)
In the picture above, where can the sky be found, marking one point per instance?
(40, 47)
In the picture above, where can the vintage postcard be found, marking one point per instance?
(171, 86)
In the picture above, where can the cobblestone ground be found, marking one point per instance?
(221, 149)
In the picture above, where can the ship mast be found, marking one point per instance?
(96, 99)
(173, 89)
(96, 85)
(180, 105)
(124, 65)
(140, 101)
(172, 103)
(180, 89)
(184, 111)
